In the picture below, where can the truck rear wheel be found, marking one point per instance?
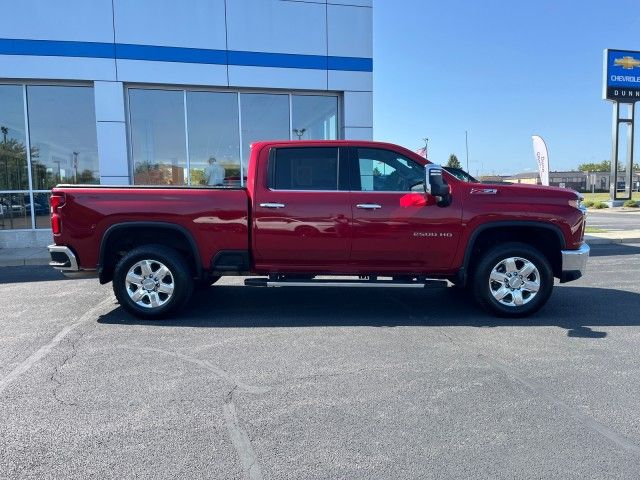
(512, 280)
(152, 281)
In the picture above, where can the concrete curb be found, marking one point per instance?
(605, 241)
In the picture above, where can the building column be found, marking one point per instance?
(358, 116)
(112, 133)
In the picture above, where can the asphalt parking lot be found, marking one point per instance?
(321, 383)
(614, 220)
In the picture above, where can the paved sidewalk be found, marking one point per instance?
(40, 256)
(18, 257)
(613, 236)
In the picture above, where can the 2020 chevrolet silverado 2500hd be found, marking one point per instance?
(370, 210)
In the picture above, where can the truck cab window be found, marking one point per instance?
(303, 169)
(386, 171)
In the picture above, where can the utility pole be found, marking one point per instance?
(466, 144)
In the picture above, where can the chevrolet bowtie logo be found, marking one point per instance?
(628, 63)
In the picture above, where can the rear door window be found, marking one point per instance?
(308, 168)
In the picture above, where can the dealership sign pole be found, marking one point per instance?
(621, 85)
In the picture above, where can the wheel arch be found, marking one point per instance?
(546, 237)
(123, 235)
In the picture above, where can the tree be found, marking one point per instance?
(453, 161)
(13, 163)
(604, 166)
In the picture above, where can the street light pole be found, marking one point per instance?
(466, 144)
(5, 132)
(75, 167)
(59, 178)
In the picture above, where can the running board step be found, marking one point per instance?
(266, 282)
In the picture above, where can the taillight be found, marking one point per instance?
(56, 201)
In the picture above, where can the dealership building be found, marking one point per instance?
(126, 92)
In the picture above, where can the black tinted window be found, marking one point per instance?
(304, 169)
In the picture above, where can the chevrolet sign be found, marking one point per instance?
(621, 76)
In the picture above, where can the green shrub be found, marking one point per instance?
(631, 203)
(588, 203)
(600, 205)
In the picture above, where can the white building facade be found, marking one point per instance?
(125, 92)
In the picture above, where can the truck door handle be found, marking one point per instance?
(272, 205)
(368, 206)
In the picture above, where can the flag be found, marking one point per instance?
(542, 158)
(422, 152)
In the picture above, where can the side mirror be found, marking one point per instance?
(435, 185)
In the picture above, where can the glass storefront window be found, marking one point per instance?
(13, 147)
(264, 117)
(40, 209)
(211, 148)
(314, 117)
(158, 139)
(214, 138)
(15, 212)
(62, 130)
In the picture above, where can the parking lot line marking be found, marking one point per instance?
(43, 351)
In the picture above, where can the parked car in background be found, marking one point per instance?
(38, 208)
(14, 209)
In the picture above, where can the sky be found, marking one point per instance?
(501, 70)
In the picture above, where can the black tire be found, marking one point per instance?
(483, 288)
(179, 277)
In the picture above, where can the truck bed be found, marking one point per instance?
(216, 218)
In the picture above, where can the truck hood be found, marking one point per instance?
(529, 191)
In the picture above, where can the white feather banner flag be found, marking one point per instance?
(542, 157)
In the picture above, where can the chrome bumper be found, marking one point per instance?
(62, 258)
(574, 263)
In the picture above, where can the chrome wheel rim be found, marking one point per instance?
(149, 283)
(514, 281)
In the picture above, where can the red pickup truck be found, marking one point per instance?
(371, 214)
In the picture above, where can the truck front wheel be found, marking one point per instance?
(512, 280)
(152, 281)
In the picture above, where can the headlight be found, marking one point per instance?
(577, 203)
